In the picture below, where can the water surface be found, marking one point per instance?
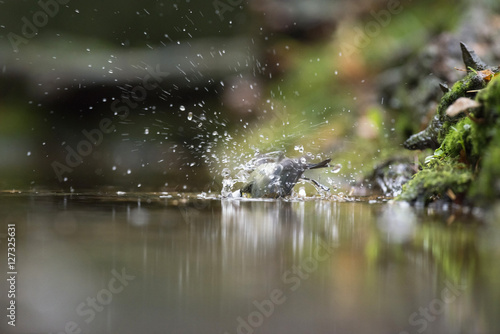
(175, 263)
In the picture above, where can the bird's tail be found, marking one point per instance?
(321, 164)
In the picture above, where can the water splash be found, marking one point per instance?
(336, 168)
(231, 184)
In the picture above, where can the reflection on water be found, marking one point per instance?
(178, 264)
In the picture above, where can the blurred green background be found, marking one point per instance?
(317, 78)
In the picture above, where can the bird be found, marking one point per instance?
(277, 178)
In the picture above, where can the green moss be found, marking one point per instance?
(465, 140)
(471, 81)
(440, 125)
(487, 144)
(434, 182)
(448, 169)
(468, 159)
(490, 97)
(487, 186)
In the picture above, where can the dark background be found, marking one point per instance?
(263, 75)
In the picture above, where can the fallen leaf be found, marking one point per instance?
(461, 105)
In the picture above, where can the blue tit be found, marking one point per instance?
(277, 179)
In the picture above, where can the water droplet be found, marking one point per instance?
(182, 108)
(226, 172)
(299, 148)
(28, 153)
(146, 131)
(190, 116)
(129, 171)
(336, 168)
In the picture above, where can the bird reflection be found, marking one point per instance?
(261, 225)
(258, 223)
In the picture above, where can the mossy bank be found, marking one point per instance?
(465, 165)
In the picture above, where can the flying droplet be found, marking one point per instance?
(182, 108)
(299, 148)
(190, 116)
(336, 168)
(226, 172)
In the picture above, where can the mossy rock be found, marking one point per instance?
(466, 164)
(475, 80)
(449, 181)
(487, 145)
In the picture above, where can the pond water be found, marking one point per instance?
(178, 263)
